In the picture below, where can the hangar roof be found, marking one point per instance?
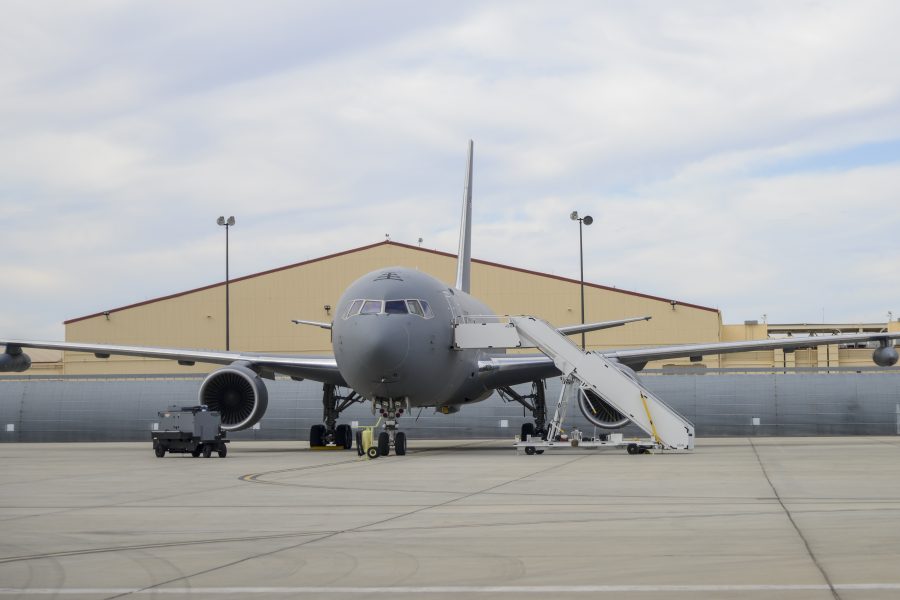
(388, 242)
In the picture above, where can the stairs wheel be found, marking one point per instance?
(633, 449)
(529, 450)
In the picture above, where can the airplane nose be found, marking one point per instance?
(384, 352)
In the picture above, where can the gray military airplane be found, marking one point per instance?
(393, 342)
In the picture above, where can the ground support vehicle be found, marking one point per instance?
(189, 429)
(536, 445)
(366, 442)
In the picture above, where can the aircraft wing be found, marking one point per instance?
(640, 356)
(573, 329)
(317, 368)
(522, 368)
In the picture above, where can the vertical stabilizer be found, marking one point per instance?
(463, 266)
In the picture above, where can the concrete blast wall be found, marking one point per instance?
(72, 409)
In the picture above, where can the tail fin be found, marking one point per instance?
(463, 266)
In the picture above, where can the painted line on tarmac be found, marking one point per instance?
(460, 589)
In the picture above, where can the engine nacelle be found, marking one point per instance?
(599, 412)
(885, 356)
(14, 360)
(238, 394)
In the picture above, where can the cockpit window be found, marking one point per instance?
(354, 308)
(395, 307)
(419, 308)
(371, 307)
(415, 308)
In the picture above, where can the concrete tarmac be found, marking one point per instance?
(797, 518)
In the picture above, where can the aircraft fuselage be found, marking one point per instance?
(393, 338)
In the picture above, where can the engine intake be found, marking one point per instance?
(885, 356)
(238, 394)
(599, 412)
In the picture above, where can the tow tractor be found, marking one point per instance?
(189, 429)
(366, 444)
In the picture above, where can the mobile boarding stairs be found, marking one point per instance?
(586, 370)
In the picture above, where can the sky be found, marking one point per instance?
(744, 156)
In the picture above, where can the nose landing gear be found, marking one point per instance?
(391, 409)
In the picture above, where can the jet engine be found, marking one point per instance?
(238, 394)
(599, 412)
(14, 360)
(885, 356)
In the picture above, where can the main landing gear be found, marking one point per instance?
(330, 434)
(534, 402)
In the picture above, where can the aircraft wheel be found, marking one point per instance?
(400, 444)
(223, 450)
(372, 452)
(359, 444)
(384, 443)
(207, 450)
(160, 451)
(344, 436)
(527, 429)
(317, 436)
(529, 450)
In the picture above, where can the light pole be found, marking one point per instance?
(586, 220)
(227, 224)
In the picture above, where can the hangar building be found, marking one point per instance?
(263, 305)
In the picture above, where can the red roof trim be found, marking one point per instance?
(386, 242)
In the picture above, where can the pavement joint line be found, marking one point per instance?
(359, 528)
(457, 589)
(106, 549)
(256, 477)
(790, 517)
(155, 587)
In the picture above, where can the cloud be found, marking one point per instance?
(695, 135)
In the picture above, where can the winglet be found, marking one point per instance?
(573, 329)
(464, 261)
